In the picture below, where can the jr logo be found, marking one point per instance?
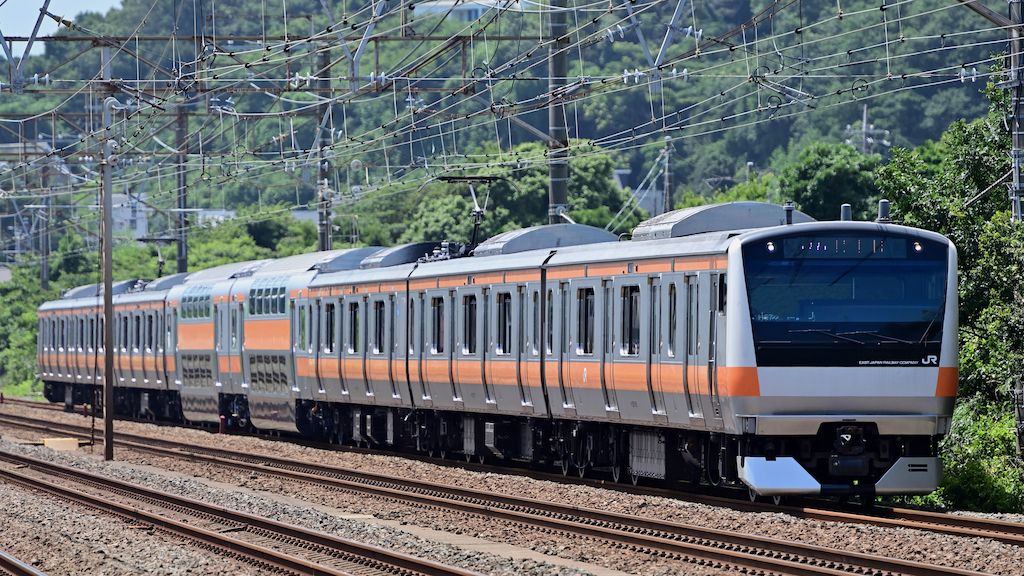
(930, 359)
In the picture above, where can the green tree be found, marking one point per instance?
(826, 176)
(949, 186)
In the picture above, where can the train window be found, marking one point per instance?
(672, 319)
(378, 327)
(504, 326)
(311, 333)
(282, 298)
(124, 333)
(469, 324)
(535, 333)
(412, 325)
(138, 332)
(92, 334)
(691, 310)
(103, 337)
(329, 327)
(353, 327)
(300, 342)
(630, 320)
(722, 290)
(149, 332)
(585, 321)
(437, 325)
(551, 322)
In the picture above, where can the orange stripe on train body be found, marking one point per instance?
(948, 381)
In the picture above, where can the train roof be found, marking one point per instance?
(542, 237)
(329, 261)
(166, 282)
(730, 216)
(401, 254)
(226, 271)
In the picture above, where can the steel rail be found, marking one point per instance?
(682, 540)
(883, 516)
(15, 567)
(330, 551)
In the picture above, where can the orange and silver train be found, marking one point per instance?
(741, 344)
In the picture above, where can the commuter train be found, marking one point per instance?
(739, 344)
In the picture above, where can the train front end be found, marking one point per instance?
(852, 328)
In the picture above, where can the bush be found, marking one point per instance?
(980, 460)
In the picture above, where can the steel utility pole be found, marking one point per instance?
(181, 219)
(1014, 83)
(108, 274)
(667, 202)
(44, 241)
(558, 143)
(323, 166)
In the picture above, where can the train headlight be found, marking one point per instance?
(771, 246)
(917, 247)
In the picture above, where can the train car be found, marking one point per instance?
(740, 344)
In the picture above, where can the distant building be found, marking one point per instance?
(214, 216)
(466, 11)
(650, 199)
(130, 215)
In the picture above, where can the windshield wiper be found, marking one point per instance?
(928, 329)
(827, 333)
(876, 335)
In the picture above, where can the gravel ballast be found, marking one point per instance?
(918, 546)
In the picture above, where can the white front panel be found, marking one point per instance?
(892, 381)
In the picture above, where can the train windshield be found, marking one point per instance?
(846, 299)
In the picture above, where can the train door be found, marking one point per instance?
(520, 326)
(586, 306)
(149, 359)
(707, 328)
(533, 343)
(392, 309)
(560, 344)
(170, 345)
(651, 346)
(716, 330)
(670, 347)
(631, 302)
(321, 342)
(78, 348)
(503, 348)
(691, 329)
(417, 322)
(221, 372)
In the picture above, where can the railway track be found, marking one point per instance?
(11, 566)
(262, 542)
(683, 542)
(882, 516)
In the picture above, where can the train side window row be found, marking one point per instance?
(136, 331)
(197, 303)
(268, 297)
(630, 314)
